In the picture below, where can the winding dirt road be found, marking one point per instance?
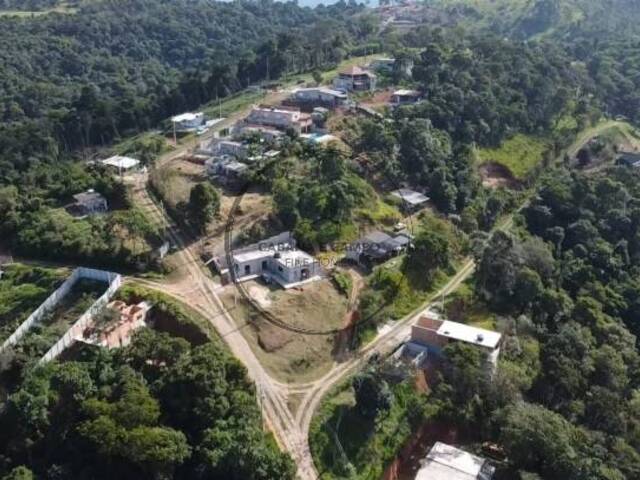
(197, 289)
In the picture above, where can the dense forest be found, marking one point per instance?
(115, 67)
(83, 79)
(564, 402)
(601, 38)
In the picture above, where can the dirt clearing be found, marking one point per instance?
(290, 356)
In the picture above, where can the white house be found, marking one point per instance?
(435, 333)
(275, 259)
(320, 96)
(445, 462)
(188, 121)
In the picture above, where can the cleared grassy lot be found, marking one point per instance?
(520, 154)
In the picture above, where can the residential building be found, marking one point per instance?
(274, 259)
(355, 79)
(319, 97)
(411, 200)
(226, 169)
(224, 146)
(628, 159)
(281, 118)
(88, 203)
(118, 333)
(268, 134)
(436, 333)
(377, 247)
(187, 122)
(122, 164)
(382, 65)
(445, 462)
(404, 97)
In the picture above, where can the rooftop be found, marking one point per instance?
(121, 162)
(407, 93)
(354, 71)
(186, 117)
(249, 255)
(87, 197)
(295, 258)
(326, 90)
(469, 334)
(410, 196)
(445, 462)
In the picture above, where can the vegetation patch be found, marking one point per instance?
(520, 154)
(362, 425)
(22, 289)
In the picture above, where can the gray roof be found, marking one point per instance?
(410, 196)
(88, 197)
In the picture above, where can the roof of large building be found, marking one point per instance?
(469, 334)
(445, 462)
(120, 162)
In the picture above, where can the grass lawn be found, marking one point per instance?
(380, 213)
(520, 154)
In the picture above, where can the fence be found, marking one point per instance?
(113, 279)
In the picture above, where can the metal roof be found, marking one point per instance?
(445, 462)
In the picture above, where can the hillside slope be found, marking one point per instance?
(530, 18)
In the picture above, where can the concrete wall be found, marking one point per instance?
(114, 280)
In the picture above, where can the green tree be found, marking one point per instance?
(373, 395)
(203, 206)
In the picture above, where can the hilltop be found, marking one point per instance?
(526, 19)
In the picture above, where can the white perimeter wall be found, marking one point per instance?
(112, 279)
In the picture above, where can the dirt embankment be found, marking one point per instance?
(495, 175)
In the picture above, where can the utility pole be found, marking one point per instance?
(175, 136)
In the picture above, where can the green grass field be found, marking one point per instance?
(520, 154)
